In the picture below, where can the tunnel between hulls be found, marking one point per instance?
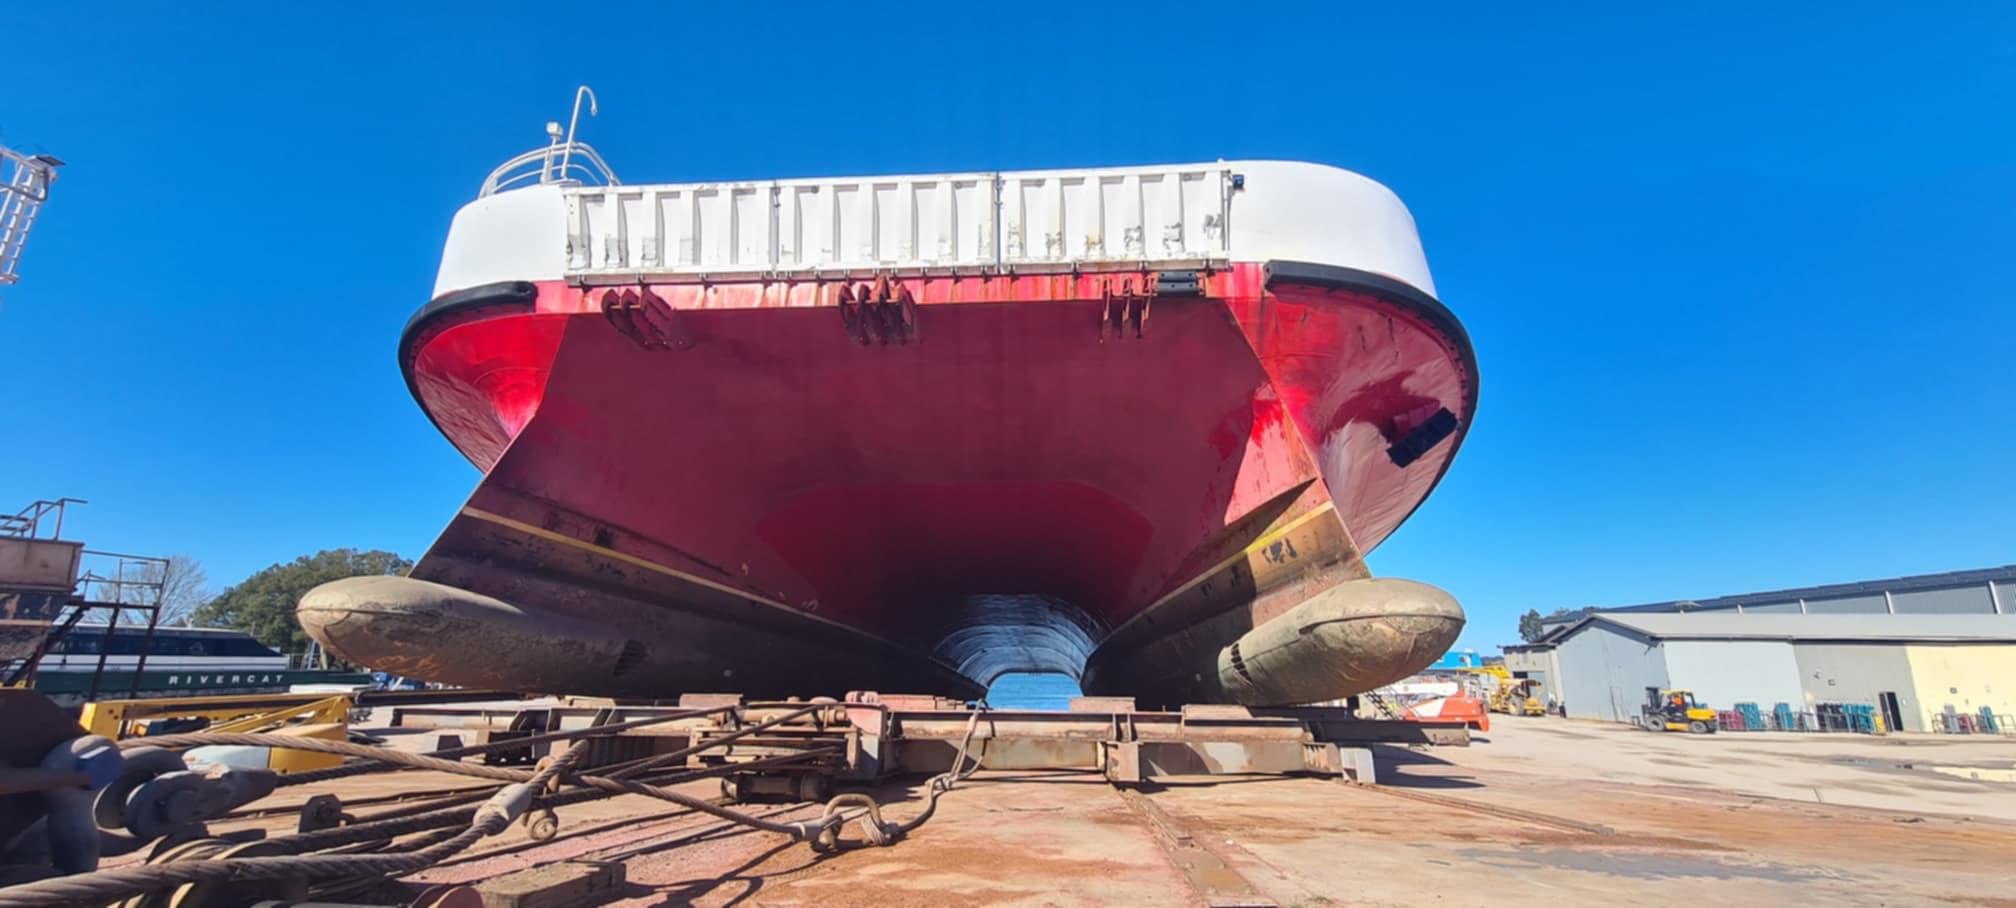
(995, 635)
(1031, 587)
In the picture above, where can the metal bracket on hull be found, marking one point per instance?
(880, 313)
(1125, 312)
(645, 318)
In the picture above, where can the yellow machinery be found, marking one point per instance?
(310, 715)
(1506, 694)
(1488, 683)
(1675, 710)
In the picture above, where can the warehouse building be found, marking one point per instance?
(1924, 653)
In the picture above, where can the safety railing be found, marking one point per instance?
(564, 163)
(28, 522)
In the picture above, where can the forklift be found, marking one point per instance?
(1675, 710)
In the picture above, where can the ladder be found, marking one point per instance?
(1378, 702)
(24, 186)
(23, 671)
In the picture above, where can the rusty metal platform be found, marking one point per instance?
(879, 735)
(1193, 807)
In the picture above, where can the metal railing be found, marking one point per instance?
(28, 521)
(556, 163)
(1984, 721)
(565, 163)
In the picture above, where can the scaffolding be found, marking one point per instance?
(46, 589)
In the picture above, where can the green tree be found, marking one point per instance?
(263, 604)
(1530, 628)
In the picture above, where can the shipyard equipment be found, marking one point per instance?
(1675, 710)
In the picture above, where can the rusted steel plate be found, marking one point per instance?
(562, 885)
(1214, 881)
(1102, 704)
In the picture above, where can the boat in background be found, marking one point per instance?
(1139, 425)
(170, 662)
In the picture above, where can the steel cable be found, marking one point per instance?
(337, 772)
(873, 828)
(379, 827)
(649, 763)
(503, 807)
(106, 885)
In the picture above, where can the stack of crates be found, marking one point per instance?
(1783, 718)
(1856, 717)
(1753, 718)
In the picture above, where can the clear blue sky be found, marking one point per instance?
(1740, 283)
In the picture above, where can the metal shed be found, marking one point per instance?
(1913, 667)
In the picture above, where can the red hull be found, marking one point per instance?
(1021, 483)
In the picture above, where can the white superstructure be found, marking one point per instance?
(579, 225)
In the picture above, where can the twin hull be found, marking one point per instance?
(1160, 476)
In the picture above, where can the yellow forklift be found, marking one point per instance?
(1675, 710)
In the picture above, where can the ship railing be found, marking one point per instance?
(29, 521)
(563, 163)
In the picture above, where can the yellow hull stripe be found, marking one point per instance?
(649, 565)
(1253, 548)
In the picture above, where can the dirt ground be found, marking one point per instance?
(1910, 772)
(1731, 819)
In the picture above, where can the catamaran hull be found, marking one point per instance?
(1162, 481)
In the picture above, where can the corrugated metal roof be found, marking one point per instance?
(1875, 628)
(1557, 628)
(1913, 583)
